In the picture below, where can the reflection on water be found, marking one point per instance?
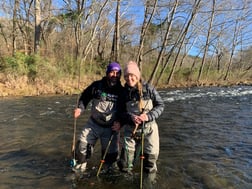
(205, 142)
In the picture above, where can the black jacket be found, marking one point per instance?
(96, 89)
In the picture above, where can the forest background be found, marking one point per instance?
(61, 46)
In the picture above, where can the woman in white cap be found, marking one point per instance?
(140, 106)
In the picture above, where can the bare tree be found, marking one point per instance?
(169, 18)
(234, 43)
(116, 37)
(207, 41)
(148, 15)
(182, 38)
(169, 31)
(85, 17)
(37, 26)
(25, 25)
(103, 40)
(14, 27)
(93, 31)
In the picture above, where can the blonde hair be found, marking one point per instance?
(140, 90)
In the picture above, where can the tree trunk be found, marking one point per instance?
(116, 37)
(165, 41)
(37, 26)
(232, 51)
(14, 27)
(207, 43)
(144, 29)
(181, 40)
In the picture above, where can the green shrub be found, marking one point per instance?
(15, 64)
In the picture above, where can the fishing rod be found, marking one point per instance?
(104, 155)
(142, 156)
(73, 161)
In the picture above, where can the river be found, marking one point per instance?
(205, 141)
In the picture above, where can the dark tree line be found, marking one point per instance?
(198, 40)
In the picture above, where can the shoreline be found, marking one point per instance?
(38, 89)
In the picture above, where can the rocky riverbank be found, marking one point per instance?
(23, 87)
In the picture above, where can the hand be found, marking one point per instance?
(77, 112)
(136, 119)
(139, 119)
(116, 126)
(144, 117)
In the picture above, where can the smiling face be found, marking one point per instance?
(132, 74)
(131, 79)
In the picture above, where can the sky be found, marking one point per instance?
(134, 10)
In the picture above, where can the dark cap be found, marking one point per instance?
(114, 66)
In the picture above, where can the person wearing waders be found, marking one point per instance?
(102, 123)
(140, 106)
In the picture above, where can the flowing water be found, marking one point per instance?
(205, 142)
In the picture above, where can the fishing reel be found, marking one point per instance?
(73, 162)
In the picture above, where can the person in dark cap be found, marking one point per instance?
(102, 122)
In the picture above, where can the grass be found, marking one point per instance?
(24, 75)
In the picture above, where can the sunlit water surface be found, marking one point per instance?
(205, 141)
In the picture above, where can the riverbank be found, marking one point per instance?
(21, 86)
